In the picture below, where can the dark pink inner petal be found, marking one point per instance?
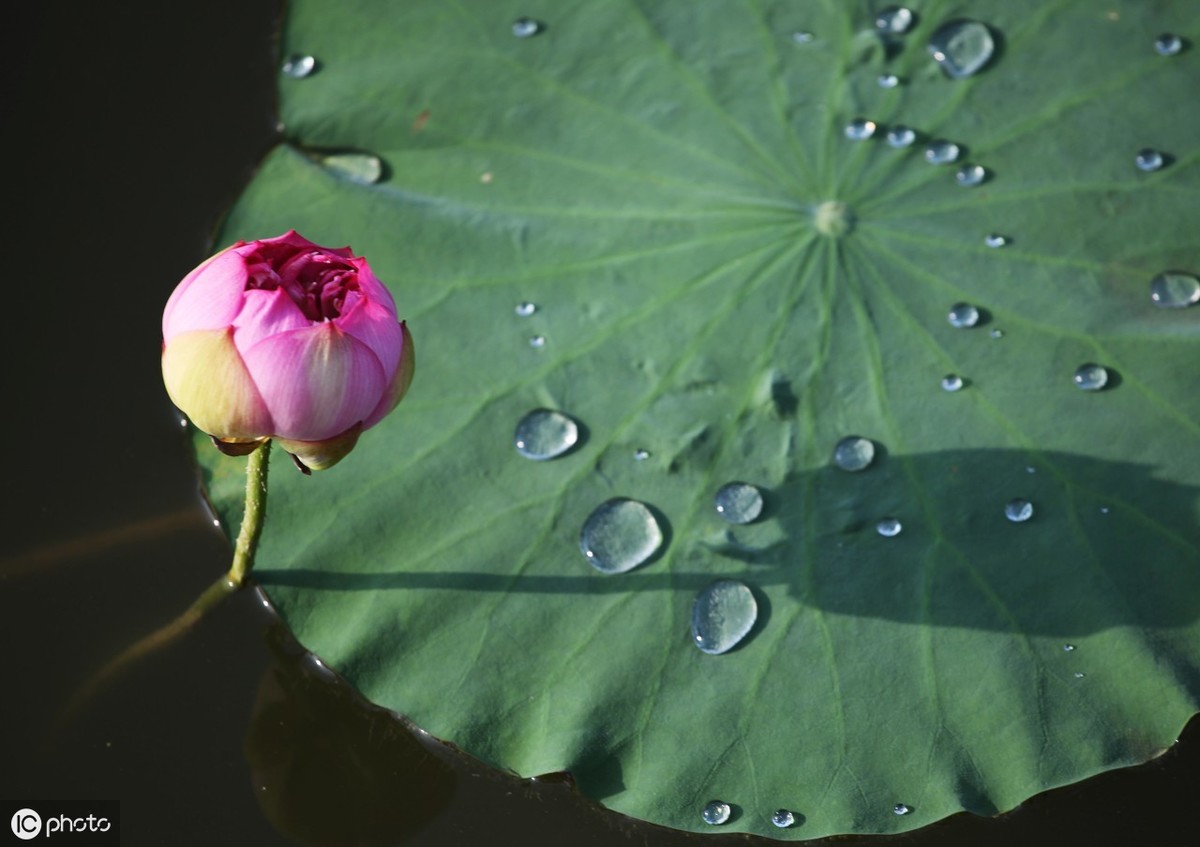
(318, 281)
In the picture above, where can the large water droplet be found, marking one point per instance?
(889, 527)
(860, 129)
(1168, 44)
(968, 176)
(715, 813)
(783, 818)
(722, 614)
(544, 433)
(962, 47)
(525, 309)
(952, 382)
(941, 152)
(888, 80)
(963, 316)
(1175, 290)
(1018, 510)
(901, 136)
(894, 20)
(362, 168)
(853, 453)
(739, 502)
(1149, 159)
(526, 27)
(901, 809)
(619, 535)
(1091, 377)
(298, 67)
(995, 240)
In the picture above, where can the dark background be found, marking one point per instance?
(128, 129)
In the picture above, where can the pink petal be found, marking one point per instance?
(207, 298)
(295, 239)
(209, 382)
(399, 384)
(265, 313)
(376, 327)
(317, 382)
(372, 287)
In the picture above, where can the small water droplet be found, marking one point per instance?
(526, 27)
(952, 382)
(1079, 675)
(894, 20)
(1168, 44)
(739, 502)
(901, 809)
(1175, 290)
(941, 152)
(1018, 510)
(860, 129)
(1104, 510)
(1091, 377)
(298, 66)
(802, 37)
(544, 433)
(853, 453)
(901, 136)
(722, 614)
(619, 535)
(537, 341)
(963, 316)
(1149, 159)
(640, 455)
(962, 47)
(715, 813)
(995, 240)
(888, 80)
(996, 333)
(889, 527)
(783, 818)
(525, 309)
(1068, 648)
(362, 168)
(968, 176)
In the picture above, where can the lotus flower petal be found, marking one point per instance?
(207, 378)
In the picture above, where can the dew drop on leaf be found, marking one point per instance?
(619, 535)
(1091, 377)
(963, 316)
(1174, 290)
(860, 129)
(952, 382)
(802, 37)
(1018, 510)
(362, 168)
(544, 434)
(894, 20)
(968, 176)
(739, 502)
(1068, 648)
(715, 813)
(298, 66)
(901, 809)
(962, 47)
(1168, 44)
(641, 455)
(901, 136)
(526, 27)
(1149, 159)
(853, 453)
(941, 152)
(783, 818)
(888, 80)
(996, 333)
(525, 309)
(723, 613)
(889, 527)
(537, 341)
(995, 240)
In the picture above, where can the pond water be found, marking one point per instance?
(131, 127)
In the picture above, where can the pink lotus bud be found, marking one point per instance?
(283, 339)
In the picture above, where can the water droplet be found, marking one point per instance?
(952, 382)
(1018, 510)
(783, 818)
(963, 316)
(860, 129)
(619, 535)
(941, 152)
(526, 27)
(894, 20)
(901, 809)
(1030, 469)
(996, 333)
(1079, 675)
(722, 614)
(853, 453)
(888, 80)
(968, 176)
(1091, 377)
(962, 47)
(640, 455)
(802, 37)
(362, 168)
(995, 240)
(1149, 159)
(544, 433)
(1168, 44)
(525, 309)
(901, 136)
(1175, 290)
(298, 67)
(889, 527)
(1068, 648)
(1104, 510)
(715, 813)
(537, 341)
(739, 502)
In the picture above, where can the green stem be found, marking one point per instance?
(252, 520)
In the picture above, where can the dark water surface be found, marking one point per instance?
(129, 129)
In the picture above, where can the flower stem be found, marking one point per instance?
(252, 520)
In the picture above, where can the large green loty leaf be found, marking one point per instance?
(664, 181)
